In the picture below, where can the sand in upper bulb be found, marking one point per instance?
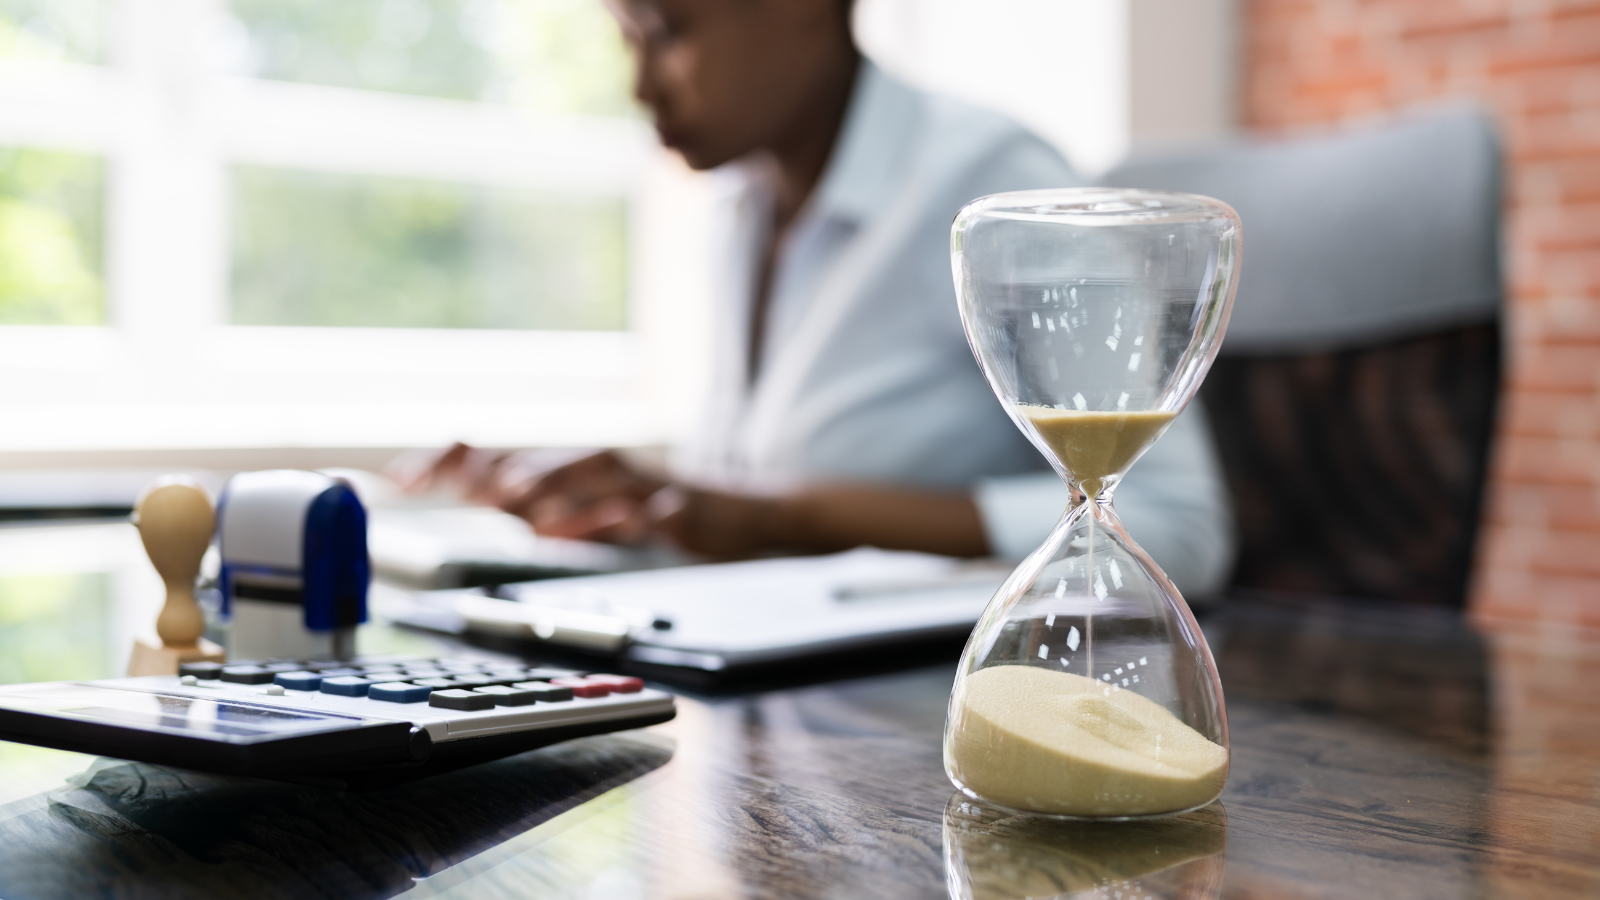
(1093, 445)
(1036, 739)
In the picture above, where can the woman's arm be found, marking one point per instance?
(600, 497)
(825, 518)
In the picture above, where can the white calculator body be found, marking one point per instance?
(351, 724)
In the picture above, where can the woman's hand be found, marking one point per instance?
(585, 495)
(601, 497)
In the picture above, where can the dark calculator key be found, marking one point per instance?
(457, 666)
(399, 692)
(335, 673)
(247, 674)
(346, 686)
(546, 692)
(467, 682)
(386, 675)
(299, 681)
(436, 682)
(458, 699)
(620, 684)
(413, 674)
(500, 677)
(207, 670)
(323, 665)
(583, 687)
(505, 695)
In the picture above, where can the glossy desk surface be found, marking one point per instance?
(1376, 753)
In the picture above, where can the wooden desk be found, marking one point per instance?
(1376, 754)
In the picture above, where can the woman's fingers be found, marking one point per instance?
(420, 471)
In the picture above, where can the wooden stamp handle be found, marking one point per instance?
(175, 521)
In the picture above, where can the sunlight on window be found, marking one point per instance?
(55, 30)
(353, 250)
(50, 238)
(550, 55)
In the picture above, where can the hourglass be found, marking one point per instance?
(1087, 689)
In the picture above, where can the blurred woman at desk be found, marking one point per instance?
(847, 407)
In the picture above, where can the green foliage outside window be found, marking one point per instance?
(50, 238)
(55, 627)
(323, 249)
(552, 55)
(57, 30)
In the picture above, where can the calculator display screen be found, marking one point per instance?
(215, 719)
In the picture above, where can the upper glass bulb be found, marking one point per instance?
(1087, 689)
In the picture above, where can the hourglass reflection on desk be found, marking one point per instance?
(1087, 689)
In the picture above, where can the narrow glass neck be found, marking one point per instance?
(1081, 491)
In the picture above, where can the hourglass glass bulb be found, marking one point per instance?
(1087, 689)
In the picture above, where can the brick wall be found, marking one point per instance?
(1536, 65)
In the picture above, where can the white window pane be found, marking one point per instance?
(59, 30)
(326, 249)
(553, 55)
(51, 207)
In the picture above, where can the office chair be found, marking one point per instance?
(1354, 397)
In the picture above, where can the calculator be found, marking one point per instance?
(352, 724)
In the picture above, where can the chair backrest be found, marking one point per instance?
(1354, 398)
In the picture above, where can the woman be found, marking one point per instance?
(848, 409)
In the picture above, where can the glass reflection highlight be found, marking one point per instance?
(995, 855)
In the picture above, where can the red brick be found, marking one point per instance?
(1546, 414)
(1573, 601)
(1453, 25)
(1557, 368)
(1548, 460)
(1545, 506)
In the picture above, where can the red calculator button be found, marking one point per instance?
(620, 684)
(583, 687)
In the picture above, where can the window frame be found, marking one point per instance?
(167, 371)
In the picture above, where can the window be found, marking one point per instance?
(334, 249)
(50, 248)
(267, 223)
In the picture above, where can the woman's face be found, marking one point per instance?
(727, 77)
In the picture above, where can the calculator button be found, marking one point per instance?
(458, 699)
(583, 687)
(546, 692)
(346, 686)
(505, 695)
(468, 682)
(620, 684)
(299, 681)
(336, 673)
(436, 682)
(414, 674)
(207, 670)
(399, 692)
(247, 674)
